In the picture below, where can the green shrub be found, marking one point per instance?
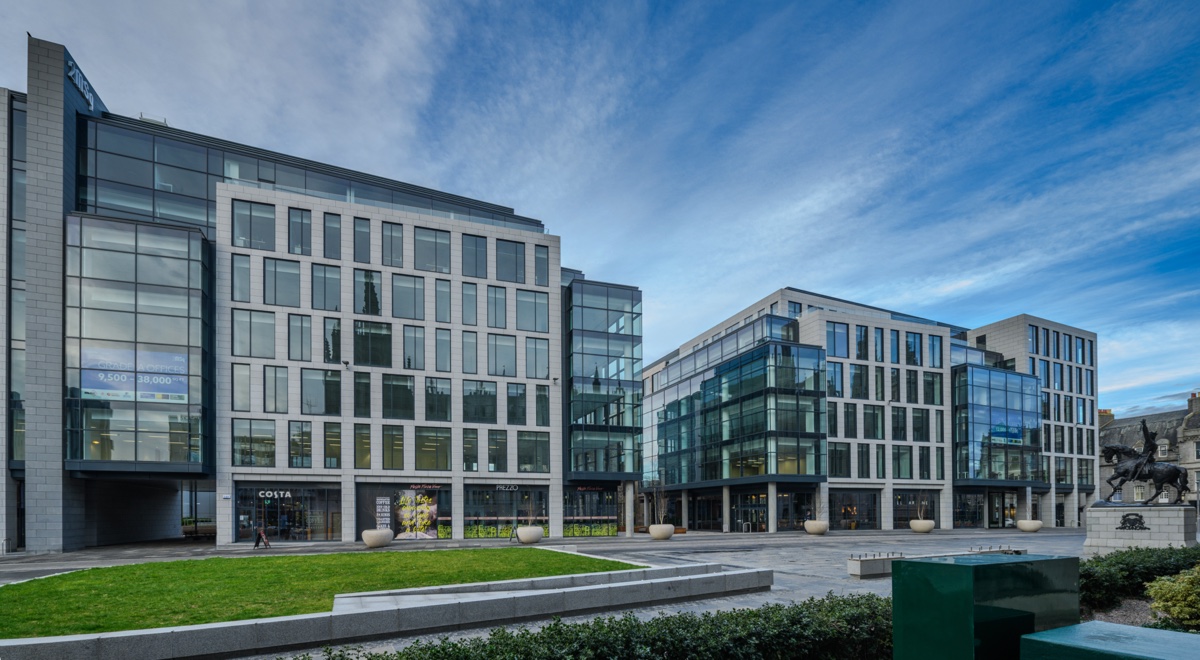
(1106, 580)
(1178, 597)
(856, 627)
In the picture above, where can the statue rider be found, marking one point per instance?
(1149, 449)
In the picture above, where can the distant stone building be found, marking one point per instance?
(1178, 442)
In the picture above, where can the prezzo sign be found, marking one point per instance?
(81, 84)
(509, 487)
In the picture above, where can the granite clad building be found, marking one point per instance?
(204, 338)
(805, 406)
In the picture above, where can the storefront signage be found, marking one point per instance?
(592, 489)
(424, 486)
(81, 84)
(282, 494)
(383, 513)
(108, 375)
(508, 487)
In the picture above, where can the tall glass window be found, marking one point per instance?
(516, 404)
(879, 344)
(850, 427)
(281, 282)
(533, 311)
(333, 236)
(502, 355)
(894, 345)
(474, 256)
(372, 344)
(497, 450)
(470, 353)
(241, 278)
(393, 447)
(542, 417)
(393, 244)
(320, 392)
(433, 448)
(912, 348)
(366, 292)
(834, 379)
(935, 351)
(837, 339)
(533, 451)
(432, 249)
(362, 240)
(399, 397)
(479, 402)
(254, 442)
(326, 288)
(437, 399)
(299, 231)
(861, 351)
(253, 225)
(537, 358)
(414, 347)
(902, 462)
(253, 333)
(470, 442)
(442, 300)
(333, 445)
(362, 394)
(541, 265)
(510, 261)
(497, 307)
(299, 337)
(300, 444)
(858, 381)
(873, 422)
(241, 387)
(331, 341)
(470, 304)
(441, 350)
(899, 423)
(408, 297)
(362, 446)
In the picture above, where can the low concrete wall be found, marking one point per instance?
(1115, 527)
(876, 566)
(360, 617)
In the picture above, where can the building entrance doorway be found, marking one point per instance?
(1002, 509)
(749, 513)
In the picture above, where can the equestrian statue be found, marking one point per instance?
(1134, 466)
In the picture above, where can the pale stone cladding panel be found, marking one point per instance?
(347, 477)
(8, 486)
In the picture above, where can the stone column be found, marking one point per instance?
(628, 508)
(459, 498)
(726, 509)
(683, 501)
(772, 507)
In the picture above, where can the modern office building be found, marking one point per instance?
(806, 406)
(204, 337)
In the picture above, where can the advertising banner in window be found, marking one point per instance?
(108, 375)
(107, 385)
(162, 388)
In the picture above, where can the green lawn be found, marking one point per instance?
(179, 593)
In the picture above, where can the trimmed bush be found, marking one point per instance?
(1106, 580)
(856, 627)
(1178, 597)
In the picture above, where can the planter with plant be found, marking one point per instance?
(920, 525)
(816, 525)
(382, 535)
(530, 533)
(660, 531)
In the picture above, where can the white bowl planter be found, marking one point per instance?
(377, 538)
(662, 532)
(817, 527)
(1029, 525)
(921, 526)
(530, 535)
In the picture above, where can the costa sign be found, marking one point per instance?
(281, 494)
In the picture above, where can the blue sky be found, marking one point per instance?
(959, 161)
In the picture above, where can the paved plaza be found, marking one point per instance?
(804, 565)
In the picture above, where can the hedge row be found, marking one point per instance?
(1106, 580)
(856, 627)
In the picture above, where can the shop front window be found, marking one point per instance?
(289, 512)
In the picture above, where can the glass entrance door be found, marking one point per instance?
(750, 513)
(1002, 509)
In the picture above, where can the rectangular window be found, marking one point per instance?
(333, 236)
(895, 385)
(497, 450)
(879, 344)
(241, 278)
(433, 448)
(880, 461)
(253, 334)
(470, 442)
(497, 314)
(253, 225)
(510, 261)
(366, 292)
(850, 425)
(333, 445)
(941, 463)
(923, 462)
(533, 451)
(331, 342)
(879, 384)
(474, 258)
(537, 358)
(362, 240)
(533, 311)
(393, 447)
(935, 351)
(831, 412)
(516, 404)
(414, 347)
(901, 462)
(470, 304)
(393, 246)
(839, 460)
(837, 339)
(408, 297)
(910, 385)
(872, 422)
(794, 309)
(541, 265)
(432, 248)
(933, 388)
(437, 399)
(479, 402)
(299, 337)
(241, 387)
(254, 442)
(441, 350)
(1031, 344)
(864, 461)
(300, 444)
(326, 288)
(320, 392)
(1058, 376)
(861, 350)
(470, 353)
(281, 282)
(442, 301)
(920, 423)
(894, 344)
(858, 381)
(542, 412)
(362, 394)
(362, 446)
(299, 231)
(399, 397)
(833, 377)
(1055, 353)
(1044, 374)
(372, 344)
(912, 348)
(502, 355)
(899, 423)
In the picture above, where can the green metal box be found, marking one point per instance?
(978, 606)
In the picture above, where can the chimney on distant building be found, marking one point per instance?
(1106, 417)
(1194, 403)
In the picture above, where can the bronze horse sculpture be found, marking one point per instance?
(1134, 466)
